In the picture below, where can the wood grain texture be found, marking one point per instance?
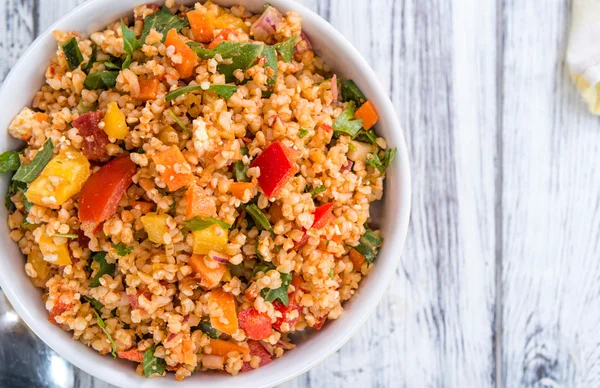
(550, 199)
(17, 31)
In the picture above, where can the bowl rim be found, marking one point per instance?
(401, 162)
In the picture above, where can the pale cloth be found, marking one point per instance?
(583, 53)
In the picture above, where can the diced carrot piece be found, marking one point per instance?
(222, 348)
(131, 355)
(224, 302)
(337, 238)
(143, 206)
(189, 58)
(174, 170)
(239, 188)
(256, 325)
(368, 114)
(148, 89)
(357, 259)
(203, 25)
(198, 203)
(209, 276)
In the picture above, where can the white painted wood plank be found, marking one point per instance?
(551, 220)
(16, 30)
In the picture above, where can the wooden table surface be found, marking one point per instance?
(500, 275)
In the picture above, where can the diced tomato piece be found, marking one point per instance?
(320, 322)
(148, 89)
(286, 311)
(94, 138)
(58, 309)
(131, 355)
(103, 190)
(222, 37)
(368, 114)
(202, 24)
(133, 299)
(256, 349)
(323, 214)
(327, 127)
(189, 58)
(276, 166)
(296, 281)
(256, 325)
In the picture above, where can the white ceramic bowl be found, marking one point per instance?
(27, 77)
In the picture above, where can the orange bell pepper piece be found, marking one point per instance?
(239, 188)
(189, 58)
(368, 114)
(198, 203)
(203, 25)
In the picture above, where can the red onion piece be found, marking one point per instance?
(285, 345)
(303, 46)
(264, 26)
(334, 88)
(347, 166)
(218, 257)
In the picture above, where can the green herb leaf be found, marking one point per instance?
(29, 172)
(207, 329)
(65, 235)
(351, 92)
(13, 188)
(90, 63)
(346, 123)
(368, 245)
(203, 53)
(264, 267)
(270, 55)
(331, 273)
(179, 122)
(101, 80)
(72, 54)
(130, 44)
(286, 49)
(201, 223)
(242, 56)
(172, 208)
(389, 156)
(318, 190)
(153, 365)
(94, 303)
(280, 293)
(367, 137)
(122, 249)
(102, 325)
(225, 91)
(26, 204)
(261, 220)
(112, 66)
(162, 21)
(302, 132)
(105, 268)
(240, 170)
(373, 160)
(9, 161)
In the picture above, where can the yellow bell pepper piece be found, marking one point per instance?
(227, 20)
(214, 238)
(41, 267)
(156, 226)
(115, 125)
(169, 136)
(53, 252)
(62, 178)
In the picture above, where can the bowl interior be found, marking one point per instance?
(26, 78)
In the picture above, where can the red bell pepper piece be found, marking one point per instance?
(276, 168)
(319, 323)
(103, 190)
(323, 214)
(256, 325)
(94, 138)
(256, 349)
(293, 305)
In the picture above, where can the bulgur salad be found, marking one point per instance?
(195, 187)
